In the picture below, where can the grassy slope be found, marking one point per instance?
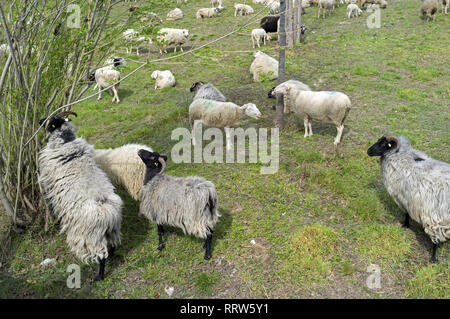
(323, 218)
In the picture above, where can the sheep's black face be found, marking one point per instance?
(151, 159)
(381, 147)
(270, 94)
(195, 86)
(54, 123)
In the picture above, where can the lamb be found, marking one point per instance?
(168, 36)
(219, 114)
(324, 6)
(206, 91)
(164, 79)
(174, 14)
(263, 64)
(80, 193)
(104, 77)
(429, 9)
(242, 9)
(189, 203)
(418, 184)
(288, 98)
(270, 23)
(445, 6)
(353, 11)
(258, 35)
(123, 167)
(207, 12)
(318, 105)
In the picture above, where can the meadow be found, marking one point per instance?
(322, 219)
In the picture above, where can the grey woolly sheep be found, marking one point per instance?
(219, 114)
(418, 184)
(206, 91)
(429, 9)
(318, 105)
(80, 194)
(189, 203)
(123, 167)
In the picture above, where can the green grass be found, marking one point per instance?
(322, 219)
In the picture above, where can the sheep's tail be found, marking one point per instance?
(213, 200)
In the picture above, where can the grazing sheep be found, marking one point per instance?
(219, 114)
(189, 203)
(123, 167)
(270, 23)
(324, 6)
(418, 184)
(258, 35)
(289, 98)
(274, 6)
(429, 9)
(132, 36)
(242, 9)
(318, 105)
(114, 62)
(164, 79)
(168, 36)
(445, 6)
(174, 14)
(207, 12)
(104, 77)
(216, 3)
(353, 11)
(206, 91)
(263, 64)
(80, 193)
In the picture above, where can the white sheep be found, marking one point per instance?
(289, 98)
(273, 5)
(190, 203)
(174, 14)
(352, 11)
(104, 77)
(325, 6)
(445, 6)
(168, 36)
(219, 114)
(216, 3)
(429, 9)
(322, 106)
(258, 35)
(242, 9)
(207, 12)
(418, 184)
(164, 79)
(263, 64)
(123, 166)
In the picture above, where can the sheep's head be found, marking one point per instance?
(383, 146)
(257, 54)
(251, 110)
(90, 74)
(196, 85)
(282, 89)
(186, 33)
(271, 94)
(153, 160)
(155, 74)
(60, 123)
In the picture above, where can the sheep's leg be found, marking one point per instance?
(257, 42)
(101, 270)
(433, 256)
(305, 123)
(193, 131)
(310, 128)
(253, 42)
(406, 223)
(116, 95)
(160, 234)
(228, 137)
(99, 93)
(181, 49)
(340, 129)
(207, 247)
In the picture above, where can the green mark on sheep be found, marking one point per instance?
(208, 105)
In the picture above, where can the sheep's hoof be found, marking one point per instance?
(432, 260)
(160, 246)
(98, 278)
(207, 257)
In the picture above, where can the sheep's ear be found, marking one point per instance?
(392, 142)
(164, 157)
(42, 120)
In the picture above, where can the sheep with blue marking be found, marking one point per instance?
(190, 203)
(418, 184)
(80, 193)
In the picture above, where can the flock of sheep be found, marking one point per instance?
(79, 181)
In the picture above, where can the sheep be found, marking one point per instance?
(352, 11)
(318, 105)
(429, 9)
(132, 36)
(164, 79)
(114, 62)
(324, 6)
(382, 3)
(445, 6)
(123, 167)
(80, 193)
(288, 99)
(216, 3)
(168, 36)
(219, 114)
(257, 1)
(418, 184)
(175, 14)
(263, 64)
(270, 23)
(206, 91)
(258, 35)
(207, 12)
(274, 6)
(104, 77)
(189, 203)
(242, 9)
